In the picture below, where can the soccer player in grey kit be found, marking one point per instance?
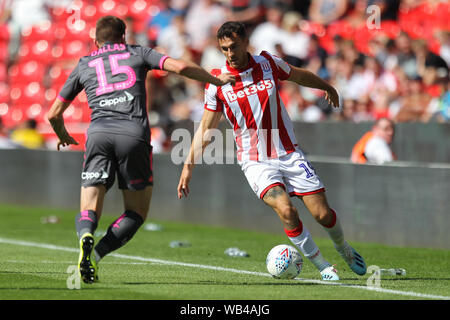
(118, 137)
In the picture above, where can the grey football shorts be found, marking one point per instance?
(108, 155)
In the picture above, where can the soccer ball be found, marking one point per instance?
(284, 262)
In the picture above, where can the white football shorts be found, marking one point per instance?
(293, 172)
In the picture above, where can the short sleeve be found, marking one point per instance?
(153, 58)
(212, 103)
(72, 87)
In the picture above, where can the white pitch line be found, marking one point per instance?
(201, 266)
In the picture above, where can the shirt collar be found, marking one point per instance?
(251, 63)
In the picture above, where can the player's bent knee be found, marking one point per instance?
(323, 216)
(138, 201)
(288, 214)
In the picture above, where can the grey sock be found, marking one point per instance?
(86, 222)
(119, 233)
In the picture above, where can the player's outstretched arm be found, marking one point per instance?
(193, 71)
(202, 138)
(55, 116)
(306, 78)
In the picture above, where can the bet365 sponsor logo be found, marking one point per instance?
(250, 90)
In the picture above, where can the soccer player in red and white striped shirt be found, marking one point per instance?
(274, 165)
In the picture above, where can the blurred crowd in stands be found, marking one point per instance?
(387, 58)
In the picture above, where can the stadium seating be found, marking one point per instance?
(49, 50)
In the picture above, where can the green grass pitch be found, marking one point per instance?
(36, 258)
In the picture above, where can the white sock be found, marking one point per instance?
(335, 232)
(96, 256)
(302, 239)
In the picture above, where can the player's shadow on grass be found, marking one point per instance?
(32, 272)
(223, 283)
(414, 279)
(33, 288)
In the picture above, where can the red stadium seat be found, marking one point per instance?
(4, 53)
(15, 93)
(34, 92)
(390, 28)
(342, 28)
(138, 10)
(31, 93)
(12, 117)
(4, 108)
(106, 7)
(60, 14)
(38, 51)
(3, 72)
(42, 31)
(112, 7)
(311, 28)
(4, 92)
(57, 76)
(50, 95)
(27, 71)
(89, 13)
(30, 110)
(73, 113)
(4, 32)
(74, 50)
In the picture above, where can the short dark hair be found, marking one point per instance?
(232, 27)
(109, 29)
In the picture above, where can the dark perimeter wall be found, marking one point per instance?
(401, 204)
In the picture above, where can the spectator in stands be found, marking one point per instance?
(169, 9)
(268, 34)
(432, 68)
(348, 111)
(20, 18)
(362, 110)
(357, 14)
(439, 108)
(444, 45)
(174, 39)
(212, 57)
(405, 56)
(5, 141)
(444, 106)
(414, 105)
(384, 50)
(327, 11)
(250, 12)
(295, 43)
(202, 19)
(316, 51)
(28, 136)
(375, 145)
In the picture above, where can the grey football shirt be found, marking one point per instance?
(113, 78)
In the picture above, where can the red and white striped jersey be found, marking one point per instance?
(253, 106)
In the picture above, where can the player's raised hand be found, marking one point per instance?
(183, 185)
(226, 78)
(66, 141)
(332, 97)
